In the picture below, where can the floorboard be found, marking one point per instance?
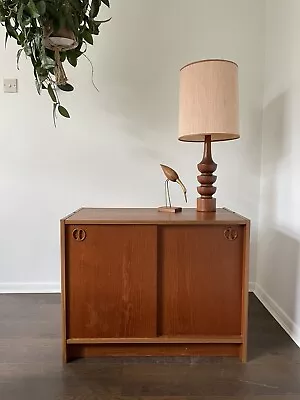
(31, 368)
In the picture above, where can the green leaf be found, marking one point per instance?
(18, 57)
(50, 53)
(38, 86)
(54, 113)
(88, 37)
(95, 25)
(21, 38)
(106, 2)
(38, 40)
(20, 14)
(6, 39)
(80, 43)
(26, 20)
(10, 30)
(77, 53)
(51, 93)
(63, 111)
(95, 6)
(66, 88)
(41, 6)
(72, 58)
(63, 56)
(47, 62)
(98, 23)
(76, 4)
(32, 9)
(27, 50)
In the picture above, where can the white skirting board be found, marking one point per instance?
(36, 287)
(291, 328)
(49, 287)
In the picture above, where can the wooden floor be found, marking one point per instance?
(31, 369)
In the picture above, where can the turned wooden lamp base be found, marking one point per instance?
(207, 203)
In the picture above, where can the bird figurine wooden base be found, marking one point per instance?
(168, 209)
(172, 176)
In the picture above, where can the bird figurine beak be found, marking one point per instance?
(183, 188)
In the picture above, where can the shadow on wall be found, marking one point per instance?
(279, 253)
(282, 258)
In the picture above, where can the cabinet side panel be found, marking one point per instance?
(63, 291)
(201, 280)
(112, 281)
(245, 297)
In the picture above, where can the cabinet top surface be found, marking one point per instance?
(188, 216)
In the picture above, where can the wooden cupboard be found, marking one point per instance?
(140, 282)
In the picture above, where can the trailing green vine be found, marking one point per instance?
(32, 23)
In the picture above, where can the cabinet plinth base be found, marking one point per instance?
(153, 350)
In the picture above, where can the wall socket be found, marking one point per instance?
(10, 85)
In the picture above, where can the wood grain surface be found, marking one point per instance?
(188, 216)
(183, 349)
(200, 275)
(161, 339)
(111, 282)
(63, 291)
(245, 292)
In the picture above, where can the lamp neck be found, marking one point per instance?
(207, 148)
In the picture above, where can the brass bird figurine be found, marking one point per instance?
(172, 176)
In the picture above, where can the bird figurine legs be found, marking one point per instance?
(168, 208)
(167, 194)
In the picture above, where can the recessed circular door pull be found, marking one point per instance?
(79, 235)
(230, 233)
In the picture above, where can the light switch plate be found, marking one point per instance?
(10, 85)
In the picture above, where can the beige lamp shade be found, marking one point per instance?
(209, 101)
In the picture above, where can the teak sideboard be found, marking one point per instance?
(137, 282)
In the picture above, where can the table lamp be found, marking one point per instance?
(208, 112)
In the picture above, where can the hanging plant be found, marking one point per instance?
(51, 32)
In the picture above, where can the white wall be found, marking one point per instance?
(278, 275)
(108, 154)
